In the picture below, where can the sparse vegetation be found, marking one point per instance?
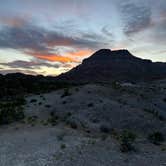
(156, 138)
(52, 120)
(104, 137)
(127, 139)
(11, 111)
(61, 136)
(40, 103)
(66, 93)
(72, 124)
(64, 102)
(47, 106)
(116, 85)
(90, 105)
(32, 120)
(155, 113)
(33, 100)
(63, 146)
(104, 128)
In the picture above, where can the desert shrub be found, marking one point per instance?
(10, 114)
(69, 114)
(104, 137)
(90, 105)
(19, 101)
(116, 85)
(114, 133)
(12, 111)
(44, 98)
(52, 120)
(44, 122)
(52, 113)
(66, 93)
(61, 136)
(101, 101)
(64, 102)
(127, 139)
(33, 100)
(72, 124)
(95, 120)
(40, 103)
(156, 138)
(104, 128)
(32, 120)
(155, 113)
(47, 106)
(77, 89)
(63, 146)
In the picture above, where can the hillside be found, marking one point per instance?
(106, 65)
(92, 125)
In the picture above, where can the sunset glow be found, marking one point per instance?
(58, 34)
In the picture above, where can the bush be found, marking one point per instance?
(52, 120)
(63, 146)
(156, 138)
(32, 120)
(116, 85)
(9, 113)
(40, 103)
(72, 124)
(47, 106)
(66, 93)
(33, 101)
(64, 102)
(127, 139)
(104, 129)
(61, 136)
(90, 105)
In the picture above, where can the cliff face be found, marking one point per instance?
(120, 65)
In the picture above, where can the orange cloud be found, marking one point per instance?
(56, 58)
(81, 53)
(51, 57)
(67, 57)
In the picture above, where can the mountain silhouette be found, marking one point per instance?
(120, 65)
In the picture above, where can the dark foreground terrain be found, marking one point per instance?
(88, 125)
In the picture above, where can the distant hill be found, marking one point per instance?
(103, 66)
(19, 84)
(106, 65)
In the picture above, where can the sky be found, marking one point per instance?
(50, 37)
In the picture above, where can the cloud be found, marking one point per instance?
(136, 17)
(12, 21)
(29, 64)
(80, 53)
(107, 32)
(41, 43)
(51, 57)
(68, 57)
(34, 37)
(18, 71)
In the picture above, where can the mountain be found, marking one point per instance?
(120, 65)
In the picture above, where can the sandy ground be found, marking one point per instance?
(41, 144)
